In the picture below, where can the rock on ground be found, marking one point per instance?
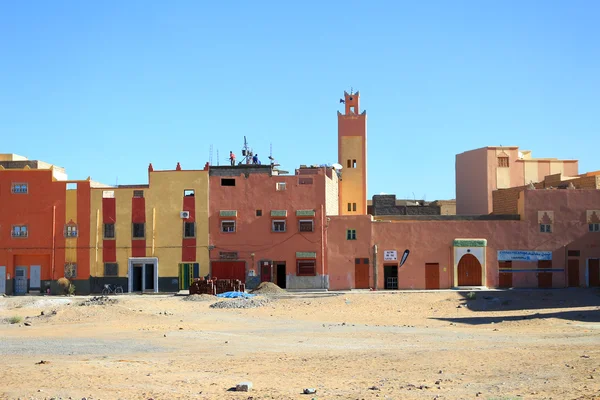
(253, 302)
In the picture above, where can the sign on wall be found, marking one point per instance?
(524, 255)
(390, 255)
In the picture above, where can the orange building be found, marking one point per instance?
(269, 227)
(44, 227)
(481, 171)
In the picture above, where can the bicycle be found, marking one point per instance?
(108, 289)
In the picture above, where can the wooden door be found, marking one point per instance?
(505, 278)
(469, 271)
(544, 278)
(266, 272)
(573, 272)
(361, 273)
(594, 272)
(432, 276)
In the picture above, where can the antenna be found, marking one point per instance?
(210, 155)
(217, 157)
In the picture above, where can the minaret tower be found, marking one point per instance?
(352, 155)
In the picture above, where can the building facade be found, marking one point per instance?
(481, 171)
(268, 227)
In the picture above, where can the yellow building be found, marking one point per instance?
(151, 238)
(352, 154)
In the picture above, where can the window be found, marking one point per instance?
(353, 206)
(139, 230)
(279, 186)
(351, 234)
(573, 253)
(349, 164)
(189, 230)
(306, 225)
(503, 162)
(189, 193)
(349, 206)
(278, 226)
(228, 226)
(594, 227)
(70, 270)
(19, 231)
(19, 188)
(259, 213)
(109, 231)
(307, 268)
(546, 228)
(138, 193)
(227, 182)
(70, 230)
(111, 269)
(353, 163)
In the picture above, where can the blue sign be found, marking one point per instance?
(524, 255)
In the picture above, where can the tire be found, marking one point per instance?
(119, 290)
(105, 292)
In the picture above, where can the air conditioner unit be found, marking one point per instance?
(184, 214)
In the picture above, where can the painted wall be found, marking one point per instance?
(44, 210)
(160, 209)
(432, 242)
(472, 182)
(253, 235)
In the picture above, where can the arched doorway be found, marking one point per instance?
(469, 271)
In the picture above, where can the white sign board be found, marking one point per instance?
(390, 255)
(524, 255)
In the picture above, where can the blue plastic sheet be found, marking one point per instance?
(235, 295)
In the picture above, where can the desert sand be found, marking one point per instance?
(538, 344)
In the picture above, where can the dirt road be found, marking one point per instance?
(439, 345)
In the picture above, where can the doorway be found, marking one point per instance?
(544, 278)
(20, 280)
(573, 272)
(594, 272)
(281, 276)
(266, 271)
(2, 280)
(35, 275)
(469, 271)
(143, 275)
(505, 277)
(361, 273)
(432, 276)
(390, 277)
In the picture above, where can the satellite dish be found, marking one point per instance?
(337, 166)
(404, 257)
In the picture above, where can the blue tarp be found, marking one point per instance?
(235, 295)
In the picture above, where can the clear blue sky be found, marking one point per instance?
(103, 88)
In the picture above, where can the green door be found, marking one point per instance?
(184, 276)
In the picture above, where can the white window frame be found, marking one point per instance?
(227, 221)
(273, 222)
(281, 186)
(312, 225)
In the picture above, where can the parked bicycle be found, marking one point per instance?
(110, 289)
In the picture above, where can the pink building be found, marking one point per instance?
(269, 227)
(481, 171)
(553, 242)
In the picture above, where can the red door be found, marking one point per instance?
(544, 278)
(573, 271)
(469, 271)
(505, 278)
(266, 272)
(361, 273)
(432, 276)
(228, 270)
(594, 272)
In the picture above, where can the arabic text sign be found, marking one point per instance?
(524, 255)
(390, 255)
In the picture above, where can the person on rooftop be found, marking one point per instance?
(232, 158)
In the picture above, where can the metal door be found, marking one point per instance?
(573, 272)
(35, 281)
(20, 280)
(2, 280)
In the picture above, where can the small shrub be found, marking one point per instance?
(15, 319)
(71, 289)
(471, 295)
(64, 284)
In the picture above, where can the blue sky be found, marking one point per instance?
(104, 88)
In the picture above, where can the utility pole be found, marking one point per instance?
(375, 275)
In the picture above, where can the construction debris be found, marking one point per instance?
(241, 303)
(268, 288)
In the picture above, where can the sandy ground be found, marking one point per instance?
(416, 345)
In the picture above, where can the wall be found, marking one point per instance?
(332, 199)
(386, 205)
(254, 234)
(472, 182)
